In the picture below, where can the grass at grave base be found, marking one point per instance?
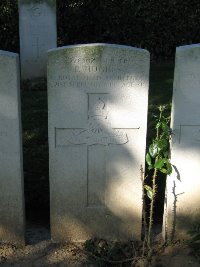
(35, 136)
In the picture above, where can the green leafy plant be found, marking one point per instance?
(157, 159)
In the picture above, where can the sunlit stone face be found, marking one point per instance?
(11, 174)
(98, 98)
(183, 186)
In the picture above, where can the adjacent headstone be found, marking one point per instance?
(183, 186)
(11, 174)
(98, 96)
(38, 34)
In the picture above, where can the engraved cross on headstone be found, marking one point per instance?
(97, 136)
(37, 46)
(189, 133)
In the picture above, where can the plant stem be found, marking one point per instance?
(152, 207)
(143, 211)
(153, 190)
(157, 159)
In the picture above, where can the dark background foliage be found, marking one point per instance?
(157, 25)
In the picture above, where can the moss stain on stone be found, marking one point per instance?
(85, 52)
(93, 51)
(79, 52)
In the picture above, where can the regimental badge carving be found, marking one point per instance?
(36, 10)
(99, 130)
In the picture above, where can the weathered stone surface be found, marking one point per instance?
(183, 186)
(98, 98)
(38, 34)
(11, 174)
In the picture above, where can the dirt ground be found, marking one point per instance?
(40, 251)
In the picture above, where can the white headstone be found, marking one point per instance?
(11, 174)
(38, 34)
(98, 98)
(183, 186)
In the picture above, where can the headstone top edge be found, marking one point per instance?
(8, 54)
(99, 45)
(28, 2)
(183, 48)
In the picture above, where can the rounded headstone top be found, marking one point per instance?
(8, 54)
(187, 47)
(99, 45)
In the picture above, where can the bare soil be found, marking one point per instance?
(40, 251)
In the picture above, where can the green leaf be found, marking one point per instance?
(163, 170)
(149, 191)
(169, 167)
(165, 127)
(158, 125)
(162, 143)
(148, 159)
(159, 163)
(147, 187)
(150, 194)
(153, 150)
